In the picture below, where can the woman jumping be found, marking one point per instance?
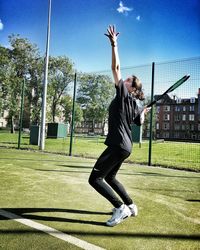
(123, 111)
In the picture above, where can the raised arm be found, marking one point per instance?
(112, 35)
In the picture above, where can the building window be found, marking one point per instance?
(157, 125)
(184, 108)
(166, 117)
(165, 126)
(157, 109)
(191, 117)
(193, 136)
(192, 100)
(183, 117)
(177, 127)
(192, 127)
(191, 108)
(183, 126)
(199, 126)
(177, 117)
(177, 108)
(167, 108)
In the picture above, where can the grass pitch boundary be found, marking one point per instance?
(51, 231)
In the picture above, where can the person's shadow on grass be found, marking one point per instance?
(22, 212)
(27, 214)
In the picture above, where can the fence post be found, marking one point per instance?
(151, 114)
(73, 114)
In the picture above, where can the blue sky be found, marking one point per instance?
(150, 30)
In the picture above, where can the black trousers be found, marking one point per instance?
(103, 176)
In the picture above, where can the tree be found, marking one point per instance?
(94, 95)
(34, 89)
(4, 77)
(22, 54)
(61, 73)
(146, 125)
(66, 104)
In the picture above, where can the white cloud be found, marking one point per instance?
(138, 18)
(123, 9)
(1, 25)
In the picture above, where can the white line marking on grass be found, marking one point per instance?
(49, 230)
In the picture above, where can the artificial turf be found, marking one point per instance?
(53, 190)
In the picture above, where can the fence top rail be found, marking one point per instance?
(178, 60)
(148, 64)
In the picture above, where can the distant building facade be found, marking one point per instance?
(3, 119)
(178, 119)
(90, 127)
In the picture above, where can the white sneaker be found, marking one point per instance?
(134, 210)
(119, 214)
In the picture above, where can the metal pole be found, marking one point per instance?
(21, 113)
(73, 114)
(151, 114)
(43, 120)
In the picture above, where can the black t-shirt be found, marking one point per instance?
(123, 111)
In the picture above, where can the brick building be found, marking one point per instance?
(178, 119)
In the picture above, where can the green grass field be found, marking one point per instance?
(52, 189)
(167, 154)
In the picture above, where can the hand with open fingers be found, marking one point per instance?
(112, 35)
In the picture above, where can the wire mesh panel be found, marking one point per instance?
(176, 118)
(143, 72)
(177, 115)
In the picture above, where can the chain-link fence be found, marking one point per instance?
(175, 129)
(176, 118)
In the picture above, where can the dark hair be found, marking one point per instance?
(138, 93)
